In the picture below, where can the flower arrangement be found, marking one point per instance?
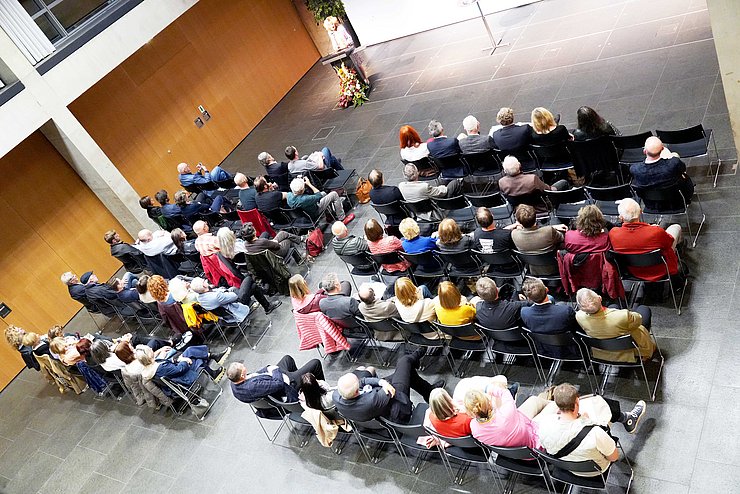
(352, 91)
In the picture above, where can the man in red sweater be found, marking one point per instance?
(636, 237)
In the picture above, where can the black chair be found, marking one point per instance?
(620, 343)
(546, 260)
(413, 334)
(175, 221)
(226, 184)
(374, 431)
(630, 148)
(366, 338)
(282, 181)
(425, 265)
(193, 189)
(566, 203)
(467, 451)
(458, 209)
(265, 409)
(595, 159)
(132, 263)
(301, 220)
(501, 264)
(427, 168)
(362, 265)
(393, 209)
(534, 199)
(337, 180)
(451, 166)
(496, 203)
(485, 164)
(422, 208)
(389, 258)
(517, 462)
(384, 330)
(652, 258)
(457, 342)
(406, 435)
(208, 186)
(279, 219)
(509, 343)
(292, 415)
(592, 477)
(561, 340)
(605, 197)
(461, 264)
(552, 158)
(201, 395)
(528, 162)
(670, 201)
(692, 143)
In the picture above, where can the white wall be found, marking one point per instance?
(376, 21)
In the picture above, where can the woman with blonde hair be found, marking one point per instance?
(68, 351)
(228, 243)
(545, 131)
(445, 417)
(338, 35)
(412, 147)
(142, 390)
(303, 300)
(414, 303)
(14, 336)
(451, 307)
(497, 421)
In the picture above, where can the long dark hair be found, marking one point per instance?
(590, 122)
(312, 391)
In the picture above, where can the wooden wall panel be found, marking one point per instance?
(51, 223)
(236, 58)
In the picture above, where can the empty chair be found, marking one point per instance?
(595, 160)
(630, 148)
(516, 462)
(547, 262)
(692, 143)
(420, 334)
(509, 343)
(561, 340)
(301, 220)
(552, 158)
(670, 201)
(605, 197)
(496, 203)
(451, 166)
(406, 437)
(458, 209)
(466, 451)
(393, 209)
(461, 339)
(361, 265)
(566, 203)
(462, 264)
(200, 396)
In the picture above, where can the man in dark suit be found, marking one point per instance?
(661, 169)
(474, 142)
(77, 291)
(103, 296)
(493, 312)
(389, 397)
(548, 318)
(441, 146)
(337, 306)
(132, 259)
(277, 171)
(384, 194)
(281, 381)
(510, 137)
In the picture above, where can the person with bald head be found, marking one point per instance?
(367, 398)
(637, 237)
(154, 243)
(201, 175)
(207, 243)
(372, 306)
(346, 244)
(660, 169)
(281, 381)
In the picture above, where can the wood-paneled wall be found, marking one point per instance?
(237, 58)
(51, 223)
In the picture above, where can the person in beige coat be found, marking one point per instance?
(142, 390)
(602, 322)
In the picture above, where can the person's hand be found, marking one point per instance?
(126, 337)
(184, 359)
(561, 227)
(388, 388)
(666, 153)
(584, 415)
(522, 297)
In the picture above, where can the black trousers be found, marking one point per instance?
(248, 289)
(616, 410)
(405, 378)
(287, 365)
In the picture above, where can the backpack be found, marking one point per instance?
(315, 243)
(363, 190)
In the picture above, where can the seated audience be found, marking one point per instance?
(181, 369)
(636, 237)
(474, 142)
(168, 308)
(316, 203)
(661, 168)
(201, 176)
(181, 242)
(143, 289)
(601, 322)
(590, 234)
(413, 242)
(384, 194)
(38, 344)
(281, 245)
(414, 303)
(156, 243)
(591, 125)
(346, 244)
(247, 194)
(507, 136)
(389, 398)
(338, 305)
(141, 390)
(412, 149)
(272, 167)
(372, 307)
(452, 308)
(120, 248)
(68, 351)
(546, 317)
(379, 243)
(450, 240)
(126, 288)
(77, 291)
(517, 184)
(494, 313)
(303, 300)
(206, 243)
(152, 211)
(545, 131)
(103, 296)
(414, 190)
(487, 238)
(441, 146)
(315, 393)
(235, 301)
(269, 197)
(281, 381)
(496, 419)
(445, 417)
(534, 239)
(190, 209)
(316, 161)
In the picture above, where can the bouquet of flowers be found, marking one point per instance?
(351, 89)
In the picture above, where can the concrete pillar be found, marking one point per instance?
(724, 16)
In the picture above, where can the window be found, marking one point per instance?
(58, 19)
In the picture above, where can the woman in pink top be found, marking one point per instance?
(496, 420)
(301, 297)
(379, 243)
(590, 234)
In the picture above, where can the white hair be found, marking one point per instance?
(339, 229)
(297, 186)
(411, 172)
(263, 157)
(470, 123)
(588, 300)
(68, 277)
(435, 128)
(512, 166)
(628, 209)
(199, 285)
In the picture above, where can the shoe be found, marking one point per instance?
(254, 306)
(220, 358)
(220, 376)
(514, 389)
(440, 383)
(273, 306)
(348, 218)
(633, 418)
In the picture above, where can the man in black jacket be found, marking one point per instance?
(280, 381)
(131, 258)
(491, 311)
(384, 194)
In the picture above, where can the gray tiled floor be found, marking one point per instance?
(643, 64)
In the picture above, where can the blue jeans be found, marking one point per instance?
(331, 160)
(218, 174)
(218, 201)
(426, 292)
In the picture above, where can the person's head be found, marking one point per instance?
(373, 230)
(526, 215)
(116, 284)
(157, 287)
(241, 181)
(511, 166)
(440, 402)
(331, 23)
(83, 347)
(145, 202)
(629, 210)
(478, 404)
(375, 177)
(410, 172)
(471, 124)
(199, 285)
(409, 228)
(58, 346)
(125, 352)
(99, 351)
(265, 158)
(348, 386)
(590, 221)
(484, 218)
(588, 300)
(144, 355)
(55, 332)
(69, 278)
(566, 397)
(505, 116)
(406, 291)
(312, 391)
(449, 232)
(435, 128)
(112, 237)
(542, 120)
(534, 290)
(653, 147)
(181, 198)
(589, 121)
(200, 227)
(226, 241)
(409, 137)
(449, 295)
(183, 168)
(486, 289)
(162, 197)
(179, 289)
(298, 287)
(339, 229)
(31, 339)
(291, 153)
(367, 294)
(260, 184)
(141, 284)
(330, 283)
(145, 236)
(248, 233)
(178, 237)
(297, 186)
(236, 372)
(88, 278)
(14, 336)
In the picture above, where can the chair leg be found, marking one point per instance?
(719, 161)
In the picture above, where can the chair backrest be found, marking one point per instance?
(619, 343)
(486, 201)
(534, 199)
(486, 161)
(645, 259)
(426, 167)
(662, 199)
(634, 141)
(427, 259)
(358, 260)
(421, 207)
(297, 214)
(593, 155)
(515, 453)
(459, 331)
(193, 188)
(225, 184)
(416, 328)
(387, 258)
(292, 407)
(565, 339)
(451, 203)
(265, 404)
(551, 153)
(498, 259)
(509, 335)
(451, 166)
(683, 136)
(383, 326)
(414, 430)
(460, 442)
(572, 196)
(465, 258)
(278, 217)
(587, 466)
(394, 208)
(610, 194)
(130, 262)
(544, 259)
(208, 186)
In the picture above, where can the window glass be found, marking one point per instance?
(71, 13)
(30, 5)
(48, 28)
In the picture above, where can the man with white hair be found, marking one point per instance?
(474, 142)
(515, 183)
(602, 322)
(153, 244)
(277, 171)
(441, 146)
(77, 291)
(636, 237)
(201, 176)
(338, 305)
(316, 203)
(415, 190)
(247, 194)
(318, 160)
(661, 168)
(367, 398)
(346, 244)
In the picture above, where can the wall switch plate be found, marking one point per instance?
(199, 122)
